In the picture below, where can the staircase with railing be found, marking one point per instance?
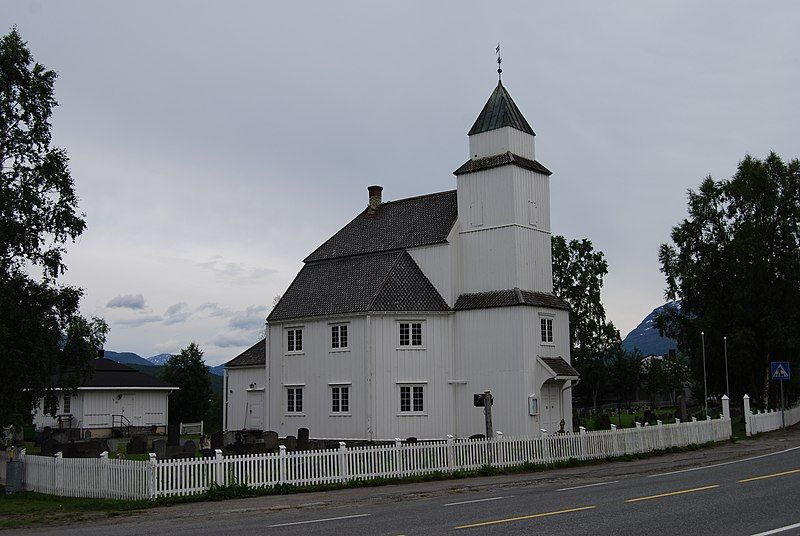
(120, 424)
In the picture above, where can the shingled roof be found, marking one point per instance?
(506, 298)
(479, 164)
(560, 368)
(389, 281)
(498, 112)
(106, 373)
(254, 356)
(396, 225)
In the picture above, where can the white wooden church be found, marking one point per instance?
(416, 304)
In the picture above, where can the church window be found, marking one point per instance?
(294, 340)
(294, 400)
(67, 404)
(547, 330)
(412, 398)
(339, 337)
(410, 334)
(340, 399)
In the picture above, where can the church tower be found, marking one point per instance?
(504, 204)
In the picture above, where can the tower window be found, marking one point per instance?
(547, 330)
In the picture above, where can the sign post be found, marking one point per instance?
(781, 371)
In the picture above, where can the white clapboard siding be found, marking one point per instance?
(125, 479)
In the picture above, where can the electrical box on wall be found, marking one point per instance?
(533, 405)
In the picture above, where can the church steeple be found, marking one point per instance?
(500, 111)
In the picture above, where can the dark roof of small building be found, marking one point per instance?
(498, 112)
(389, 281)
(508, 298)
(395, 225)
(479, 164)
(560, 367)
(253, 356)
(108, 373)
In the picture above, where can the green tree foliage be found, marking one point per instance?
(41, 333)
(665, 376)
(734, 263)
(578, 272)
(188, 372)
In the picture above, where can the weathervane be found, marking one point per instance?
(499, 61)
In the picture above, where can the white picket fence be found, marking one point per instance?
(127, 479)
(767, 421)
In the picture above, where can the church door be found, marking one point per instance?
(255, 409)
(551, 407)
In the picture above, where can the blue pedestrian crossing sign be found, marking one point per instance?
(780, 370)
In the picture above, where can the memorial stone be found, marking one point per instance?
(302, 439)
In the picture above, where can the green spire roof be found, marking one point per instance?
(500, 111)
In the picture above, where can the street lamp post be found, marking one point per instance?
(727, 383)
(705, 381)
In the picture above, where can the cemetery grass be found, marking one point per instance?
(29, 508)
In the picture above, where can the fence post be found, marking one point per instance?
(726, 407)
(451, 462)
(152, 475)
(398, 459)
(344, 474)
(59, 456)
(746, 415)
(219, 468)
(281, 464)
(104, 480)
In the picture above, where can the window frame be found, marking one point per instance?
(292, 331)
(546, 331)
(342, 392)
(67, 405)
(412, 389)
(410, 335)
(291, 397)
(339, 328)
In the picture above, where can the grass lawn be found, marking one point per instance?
(626, 420)
(22, 509)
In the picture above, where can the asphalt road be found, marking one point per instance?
(749, 488)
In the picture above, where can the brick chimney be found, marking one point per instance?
(374, 199)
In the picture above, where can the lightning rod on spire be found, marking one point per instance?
(499, 61)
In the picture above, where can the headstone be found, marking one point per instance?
(302, 439)
(61, 436)
(477, 436)
(173, 452)
(270, 440)
(291, 443)
(258, 448)
(173, 435)
(189, 447)
(229, 438)
(411, 440)
(605, 422)
(648, 416)
(207, 453)
(160, 448)
(217, 440)
(137, 445)
(50, 446)
(683, 414)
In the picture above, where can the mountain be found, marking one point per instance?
(219, 370)
(646, 338)
(128, 358)
(160, 359)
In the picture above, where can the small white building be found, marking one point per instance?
(114, 396)
(245, 381)
(414, 306)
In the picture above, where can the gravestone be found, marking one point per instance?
(137, 445)
(411, 440)
(160, 448)
(270, 440)
(648, 416)
(189, 447)
(173, 435)
(217, 440)
(229, 438)
(61, 436)
(302, 439)
(173, 452)
(50, 446)
(605, 422)
(258, 448)
(477, 436)
(207, 453)
(683, 414)
(291, 443)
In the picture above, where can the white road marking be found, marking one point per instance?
(317, 520)
(479, 500)
(723, 463)
(778, 530)
(589, 485)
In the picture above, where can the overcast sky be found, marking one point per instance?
(215, 145)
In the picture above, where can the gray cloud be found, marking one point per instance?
(128, 301)
(139, 321)
(213, 309)
(232, 340)
(235, 270)
(177, 313)
(251, 318)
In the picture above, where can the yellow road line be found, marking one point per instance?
(784, 473)
(521, 518)
(671, 493)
